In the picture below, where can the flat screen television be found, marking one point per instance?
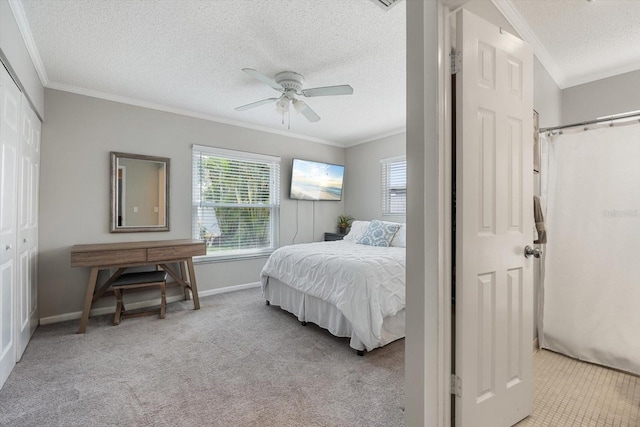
(316, 181)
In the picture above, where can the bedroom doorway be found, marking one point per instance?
(492, 188)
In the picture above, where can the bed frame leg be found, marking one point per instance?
(267, 302)
(360, 352)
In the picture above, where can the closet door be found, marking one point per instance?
(9, 146)
(27, 244)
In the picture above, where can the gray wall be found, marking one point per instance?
(77, 137)
(613, 95)
(362, 176)
(14, 54)
(547, 101)
(547, 97)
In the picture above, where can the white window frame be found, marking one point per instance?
(387, 168)
(198, 151)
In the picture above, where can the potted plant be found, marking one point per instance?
(344, 222)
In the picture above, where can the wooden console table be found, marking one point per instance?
(132, 254)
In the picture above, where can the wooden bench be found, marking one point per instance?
(138, 280)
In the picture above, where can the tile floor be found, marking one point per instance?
(570, 393)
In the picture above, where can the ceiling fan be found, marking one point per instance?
(289, 84)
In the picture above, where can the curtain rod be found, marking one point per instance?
(591, 122)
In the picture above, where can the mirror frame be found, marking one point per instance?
(114, 228)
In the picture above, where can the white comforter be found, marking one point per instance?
(365, 283)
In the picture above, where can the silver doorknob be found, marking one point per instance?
(528, 251)
(8, 247)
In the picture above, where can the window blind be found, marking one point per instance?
(236, 201)
(394, 186)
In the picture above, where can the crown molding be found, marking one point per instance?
(27, 36)
(377, 137)
(184, 112)
(511, 13)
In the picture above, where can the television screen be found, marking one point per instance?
(316, 181)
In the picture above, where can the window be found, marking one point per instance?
(236, 202)
(394, 186)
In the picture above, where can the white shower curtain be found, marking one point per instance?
(591, 285)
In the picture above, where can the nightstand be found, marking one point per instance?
(328, 237)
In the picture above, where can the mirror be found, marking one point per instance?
(139, 193)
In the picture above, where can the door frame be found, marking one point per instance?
(445, 223)
(428, 332)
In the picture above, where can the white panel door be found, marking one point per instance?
(27, 303)
(9, 144)
(494, 223)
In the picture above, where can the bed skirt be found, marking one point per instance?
(326, 315)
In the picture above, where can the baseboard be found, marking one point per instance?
(226, 289)
(142, 304)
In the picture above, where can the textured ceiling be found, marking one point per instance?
(584, 40)
(187, 55)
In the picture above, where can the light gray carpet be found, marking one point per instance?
(235, 362)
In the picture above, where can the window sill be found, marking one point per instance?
(211, 259)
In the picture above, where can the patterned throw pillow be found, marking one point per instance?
(379, 233)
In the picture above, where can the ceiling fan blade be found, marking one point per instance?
(264, 79)
(328, 91)
(256, 104)
(305, 110)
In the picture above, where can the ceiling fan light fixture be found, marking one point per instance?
(282, 105)
(298, 106)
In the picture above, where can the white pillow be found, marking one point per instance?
(357, 230)
(400, 239)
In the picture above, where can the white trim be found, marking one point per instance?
(210, 259)
(235, 154)
(74, 315)
(27, 36)
(226, 289)
(507, 8)
(184, 112)
(394, 159)
(444, 217)
(376, 137)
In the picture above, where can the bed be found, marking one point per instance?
(353, 290)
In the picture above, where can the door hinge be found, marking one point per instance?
(455, 61)
(456, 385)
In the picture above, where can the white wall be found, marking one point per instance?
(613, 95)
(423, 400)
(14, 54)
(363, 180)
(78, 135)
